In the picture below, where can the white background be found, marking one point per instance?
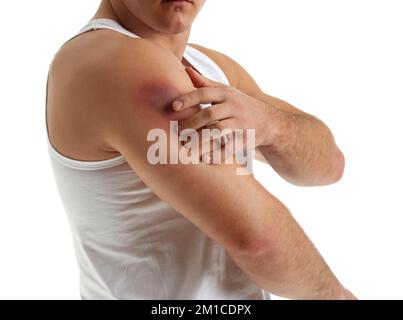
(339, 60)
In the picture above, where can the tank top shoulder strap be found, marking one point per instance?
(106, 24)
(195, 57)
(103, 23)
(205, 64)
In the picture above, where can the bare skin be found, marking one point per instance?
(298, 146)
(102, 103)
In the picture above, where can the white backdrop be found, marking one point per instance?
(339, 60)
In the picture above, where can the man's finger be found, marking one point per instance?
(200, 81)
(199, 96)
(220, 136)
(224, 154)
(206, 117)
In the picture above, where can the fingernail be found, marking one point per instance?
(177, 105)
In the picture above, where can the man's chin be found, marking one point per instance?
(176, 29)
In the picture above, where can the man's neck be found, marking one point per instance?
(175, 43)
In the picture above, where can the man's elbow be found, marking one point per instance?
(338, 167)
(335, 171)
(330, 174)
(259, 242)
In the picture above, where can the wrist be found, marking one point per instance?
(273, 127)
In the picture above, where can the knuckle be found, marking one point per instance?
(235, 103)
(219, 125)
(186, 99)
(210, 113)
(202, 93)
(228, 92)
(229, 89)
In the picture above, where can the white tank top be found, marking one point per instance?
(129, 243)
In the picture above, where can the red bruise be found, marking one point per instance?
(160, 95)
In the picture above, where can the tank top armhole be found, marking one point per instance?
(195, 57)
(204, 62)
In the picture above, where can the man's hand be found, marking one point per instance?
(231, 110)
(299, 147)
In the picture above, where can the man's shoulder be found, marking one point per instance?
(98, 69)
(105, 54)
(101, 70)
(104, 85)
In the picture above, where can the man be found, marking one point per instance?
(175, 230)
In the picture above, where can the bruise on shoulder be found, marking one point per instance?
(158, 95)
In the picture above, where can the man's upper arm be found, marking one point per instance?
(231, 209)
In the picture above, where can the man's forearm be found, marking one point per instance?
(301, 148)
(288, 264)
